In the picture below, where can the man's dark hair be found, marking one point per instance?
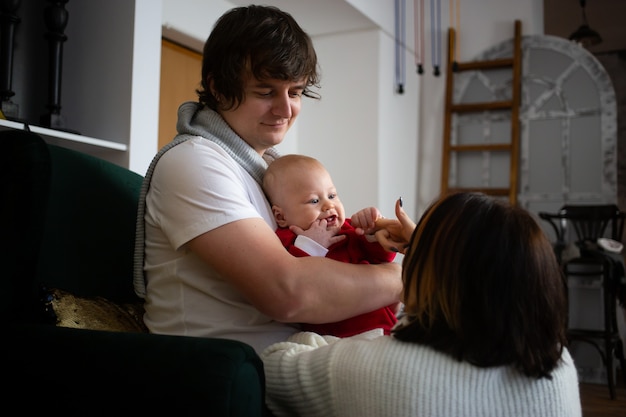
(261, 41)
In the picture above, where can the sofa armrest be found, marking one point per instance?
(93, 373)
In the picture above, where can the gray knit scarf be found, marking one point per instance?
(196, 120)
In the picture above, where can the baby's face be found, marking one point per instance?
(311, 197)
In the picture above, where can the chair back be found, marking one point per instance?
(590, 222)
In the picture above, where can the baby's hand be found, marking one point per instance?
(364, 220)
(320, 233)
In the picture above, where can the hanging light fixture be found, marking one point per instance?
(584, 35)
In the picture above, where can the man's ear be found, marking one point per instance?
(211, 84)
(279, 217)
(214, 92)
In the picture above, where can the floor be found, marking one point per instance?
(597, 403)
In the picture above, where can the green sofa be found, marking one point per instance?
(73, 341)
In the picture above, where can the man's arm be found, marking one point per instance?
(290, 289)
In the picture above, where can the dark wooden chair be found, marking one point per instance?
(594, 265)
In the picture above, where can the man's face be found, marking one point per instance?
(267, 111)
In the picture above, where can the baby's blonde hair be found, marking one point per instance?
(282, 169)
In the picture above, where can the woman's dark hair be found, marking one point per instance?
(261, 41)
(482, 284)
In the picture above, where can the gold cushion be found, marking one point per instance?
(95, 313)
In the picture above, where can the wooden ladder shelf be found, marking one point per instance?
(512, 105)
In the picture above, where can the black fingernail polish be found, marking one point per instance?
(394, 249)
(401, 203)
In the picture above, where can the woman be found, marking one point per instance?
(483, 332)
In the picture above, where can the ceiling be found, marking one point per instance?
(314, 18)
(607, 17)
(561, 18)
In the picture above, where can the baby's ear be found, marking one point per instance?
(279, 217)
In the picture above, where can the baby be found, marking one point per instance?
(311, 222)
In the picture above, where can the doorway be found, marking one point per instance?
(180, 78)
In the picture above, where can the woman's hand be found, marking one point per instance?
(394, 234)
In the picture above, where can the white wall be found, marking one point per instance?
(362, 130)
(377, 144)
(194, 18)
(111, 68)
(144, 104)
(341, 129)
(483, 23)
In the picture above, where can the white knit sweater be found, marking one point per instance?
(311, 375)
